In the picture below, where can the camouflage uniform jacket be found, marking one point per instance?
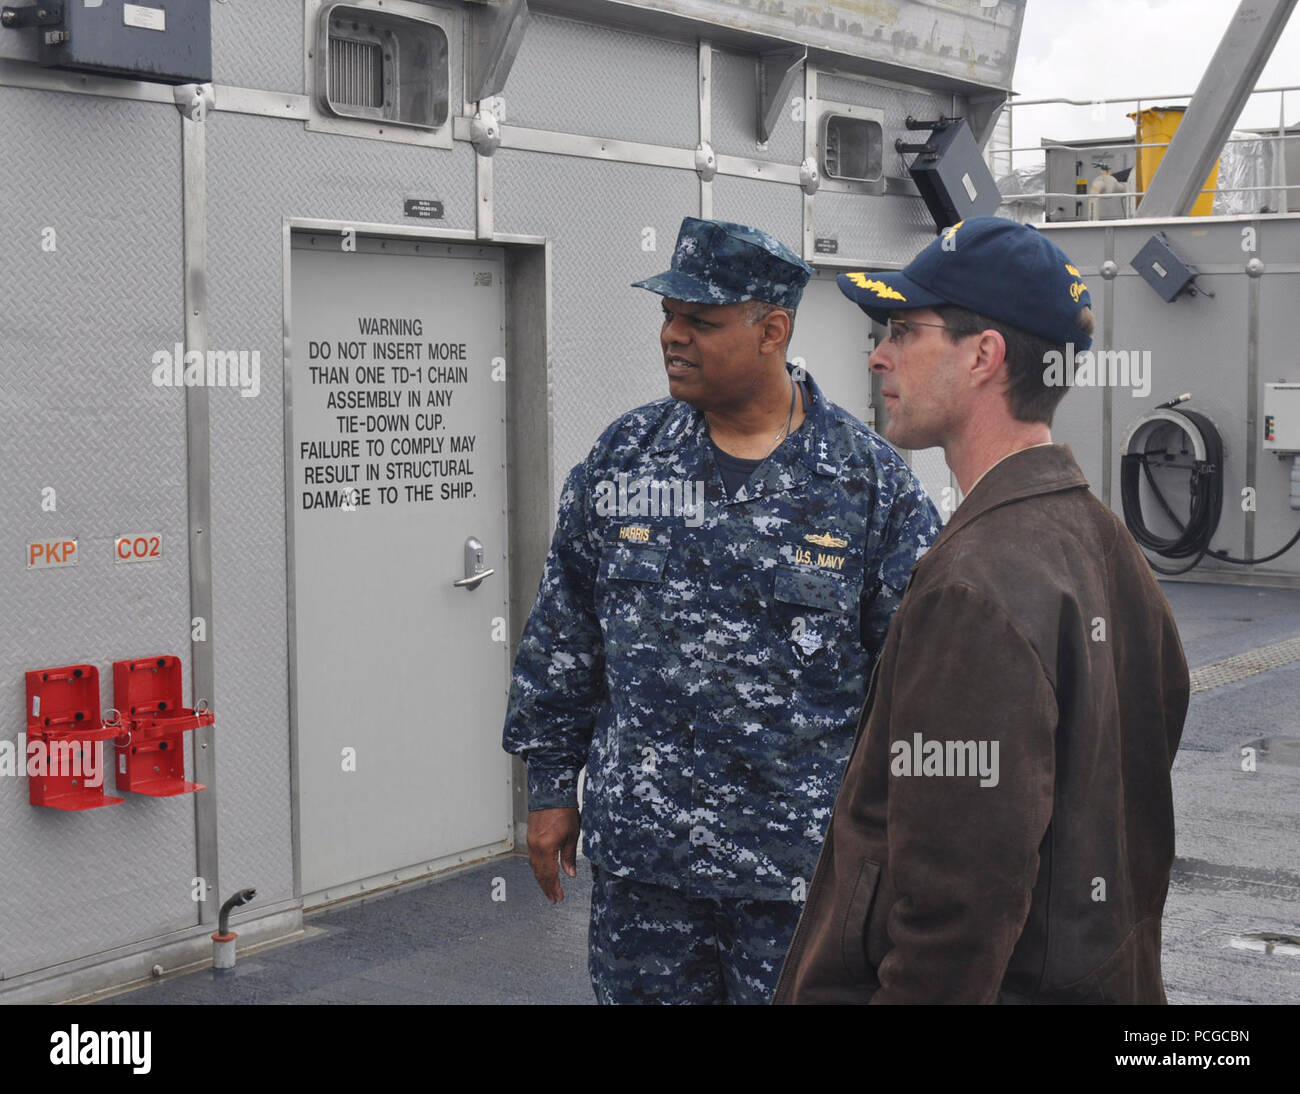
(709, 666)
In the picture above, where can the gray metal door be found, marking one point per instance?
(395, 424)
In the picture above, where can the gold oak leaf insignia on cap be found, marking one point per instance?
(1072, 271)
(862, 281)
(826, 540)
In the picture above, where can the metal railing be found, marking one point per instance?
(1279, 139)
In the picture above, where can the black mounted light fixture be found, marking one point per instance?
(949, 171)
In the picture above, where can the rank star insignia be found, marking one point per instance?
(826, 540)
(862, 281)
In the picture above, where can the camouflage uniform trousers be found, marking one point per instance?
(653, 944)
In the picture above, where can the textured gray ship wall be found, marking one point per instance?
(261, 170)
(571, 77)
(734, 102)
(878, 232)
(1275, 521)
(258, 44)
(79, 414)
(605, 339)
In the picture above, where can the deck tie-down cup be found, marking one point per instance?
(151, 742)
(66, 769)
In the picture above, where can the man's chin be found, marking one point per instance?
(681, 387)
(897, 434)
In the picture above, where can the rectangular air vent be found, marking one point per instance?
(851, 148)
(847, 139)
(382, 66)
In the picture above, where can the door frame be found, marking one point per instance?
(529, 487)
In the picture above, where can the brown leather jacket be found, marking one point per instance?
(1005, 830)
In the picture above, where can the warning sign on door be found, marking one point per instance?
(385, 405)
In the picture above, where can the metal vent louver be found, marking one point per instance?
(375, 65)
(356, 76)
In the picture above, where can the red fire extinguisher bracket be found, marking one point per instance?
(151, 750)
(65, 761)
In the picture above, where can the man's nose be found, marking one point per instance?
(878, 361)
(677, 330)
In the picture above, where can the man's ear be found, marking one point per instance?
(775, 333)
(990, 359)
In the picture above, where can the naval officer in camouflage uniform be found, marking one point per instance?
(724, 568)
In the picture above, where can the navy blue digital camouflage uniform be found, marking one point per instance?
(707, 665)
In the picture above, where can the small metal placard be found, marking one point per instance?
(138, 547)
(826, 245)
(483, 279)
(137, 15)
(52, 552)
(426, 208)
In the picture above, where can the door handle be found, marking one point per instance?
(475, 572)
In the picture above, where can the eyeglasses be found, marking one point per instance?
(898, 329)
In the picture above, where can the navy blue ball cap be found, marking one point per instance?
(990, 265)
(716, 262)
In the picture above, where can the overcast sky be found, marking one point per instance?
(1094, 49)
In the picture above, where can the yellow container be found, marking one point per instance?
(1156, 125)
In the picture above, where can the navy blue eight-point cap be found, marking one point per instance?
(716, 262)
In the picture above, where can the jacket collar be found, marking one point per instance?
(1046, 469)
(683, 441)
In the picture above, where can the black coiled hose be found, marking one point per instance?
(1206, 486)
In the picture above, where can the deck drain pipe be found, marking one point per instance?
(223, 942)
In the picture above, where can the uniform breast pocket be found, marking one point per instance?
(629, 592)
(817, 620)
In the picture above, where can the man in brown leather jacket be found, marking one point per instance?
(1004, 831)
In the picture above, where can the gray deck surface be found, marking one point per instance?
(1237, 871)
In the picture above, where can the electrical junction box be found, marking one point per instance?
(1162, 268)
(1282, 417)
(161, 41)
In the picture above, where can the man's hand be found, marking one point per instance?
(551, 831)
